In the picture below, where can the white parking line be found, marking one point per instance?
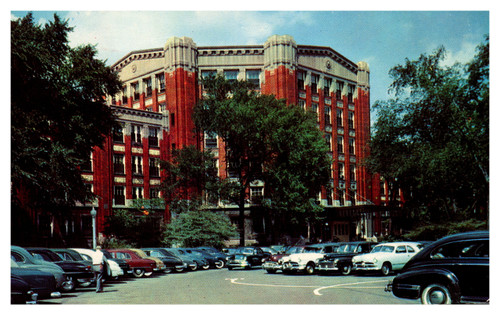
(316, 291)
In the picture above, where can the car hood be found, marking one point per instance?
(305, 256)
(371, 256)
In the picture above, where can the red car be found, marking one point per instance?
(273, 263)
(139, 266)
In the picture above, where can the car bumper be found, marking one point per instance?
(293, 266)
(365, 267)
(404, 291)
(238, 264)
(327, 266)
(271, 265)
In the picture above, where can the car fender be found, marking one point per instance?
(424, 276)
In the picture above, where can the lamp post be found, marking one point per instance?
(93, 213)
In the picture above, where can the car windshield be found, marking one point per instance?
(294, 250)
(347, 248)
(312, 250)
(245, 250)
(383, 249)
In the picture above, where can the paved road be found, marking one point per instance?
(239, 287)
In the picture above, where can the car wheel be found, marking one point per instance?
(205, 267)
(219, 264)
(436, 294)
(148, 274)
(193, 268)
(386, 269)
(229, 268)
(138, 273)
(310, 268)
(346, 269)
(68, 285)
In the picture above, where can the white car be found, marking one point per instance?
(386, 257)
(113, 269)
(307, 260)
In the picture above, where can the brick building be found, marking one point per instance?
(161, 87)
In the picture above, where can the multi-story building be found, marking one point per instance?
(162, 85)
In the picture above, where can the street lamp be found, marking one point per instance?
(93, 213)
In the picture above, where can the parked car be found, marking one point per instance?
(121, 263)
(79, 273)
(140, 266)
(217, 253)
(213, 262)
(341, 261)
(171, 262)
(188, 260)
(25, 260)
(246, 257)
(268, 250)
(111, 268)
(274, 263)
(160, 266)
(20, 291)
(200, 262)
(72, 255)
(307, 261)
(41, 283)
(386, 257)
(454, 269)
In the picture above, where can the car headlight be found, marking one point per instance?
(374, 260)
(336, 260)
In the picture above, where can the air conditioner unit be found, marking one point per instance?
(342, 185)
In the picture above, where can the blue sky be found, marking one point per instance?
(382, 38)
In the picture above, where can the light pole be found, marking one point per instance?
(93, 213)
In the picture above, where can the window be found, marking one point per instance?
(118, 134)
(119, 194)
(340, 88)
(208, 73)
(351, 120)
(148, 87)
(326, 87)
(314, 83)
(350, 93)
(160, 82)
(341, 171)
(135, 91)
(210, 140)
(340, 144)
(154, 167)
(256, 194)
(339, 117)
(135, 135)
(328, 139)
(124, 95)
(401, 249)
(153, 137)
(154, 192)
(352, 173)
(341, 197)
(136, 164)
(252, 76)
(172, 119)
(137, 192)
(300, 80)
(87, 164)
(352, 146)
(328, 115)
(382, 188)
(231, 75)
(118, 166)
(314, 108)
(302, 104)
(462, 249)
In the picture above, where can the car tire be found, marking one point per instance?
(310, 268)
(346, 269)
(194, 268)
(138, 273)
(386, 269)
(205, 267)
(436, 293)
(219, 264)
(229, 268)
(68, 285)
(148, 274)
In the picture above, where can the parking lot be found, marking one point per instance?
(238, 287)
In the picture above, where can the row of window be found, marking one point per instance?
(137, 165)
(327, 114)
(137, 193)
(136, 135)
(340, 144)
(327, 84)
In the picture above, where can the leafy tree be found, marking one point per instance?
(58, 114)
(265, 140)
(432, 139)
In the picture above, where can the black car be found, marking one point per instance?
(213, 262)
(341, 261)
(169, 260)
(454, 269)
(20, 291)
(218, 254)
(246, 257)
(42, 285)
(80, 272)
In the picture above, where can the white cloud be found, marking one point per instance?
(463, 55)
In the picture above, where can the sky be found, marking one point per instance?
(383, 39)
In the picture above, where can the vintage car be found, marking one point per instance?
(160, 266)
(112, 270)
(274, 263)
(213, 262)
(454, 269)
(79, 273)
(307, 261)
(200, 262)
(42, 285)
(386, 257)
(192, 265)
(246, 257)
(72, 255)
(171, 262)
(25, 260)
(218, 254)
(20, 291)
(140, 266)
(341, 261)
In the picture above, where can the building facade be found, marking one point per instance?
(162, 86)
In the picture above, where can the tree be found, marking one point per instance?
(265, 140)
(58, 115)
(432, 139)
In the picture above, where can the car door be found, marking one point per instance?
(400, 257)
